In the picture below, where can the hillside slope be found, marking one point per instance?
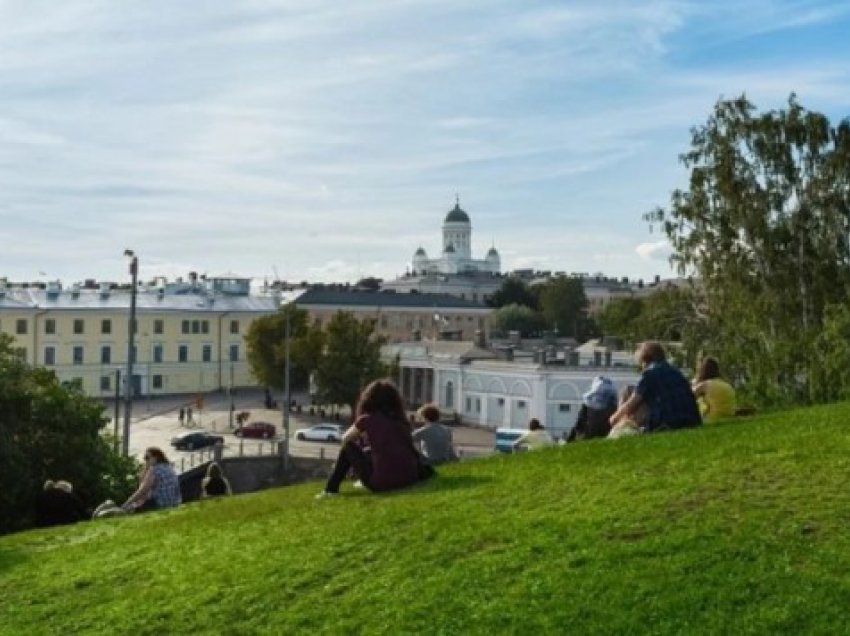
(736, 527)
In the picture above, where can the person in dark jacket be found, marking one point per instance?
(57, 505)
(215, 484)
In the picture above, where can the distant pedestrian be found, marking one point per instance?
(433, 439)
(189, 420)
(535, 438)
(181, 415)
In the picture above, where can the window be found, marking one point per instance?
(477, 405)
(183, 353)
(106, 354)
(21, 352)
(564, 408)
(234, 353)
(50, 356)
(105, 383)
(450, 395)
(79, 326)
(50, 326)
(157, 353)
(157, 381)
(196, 326)
(78, 354)
(205, 326)
(187, 326)
(106, 326)
(158, 326)
(500, 401)
(520, 404)
(234, 326)
(206, 354)
(469, 405)
(21, 326)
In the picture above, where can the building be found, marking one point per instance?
(400, 317)
(481, 387)
(187, 340)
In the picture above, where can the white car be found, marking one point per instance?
(321, 433)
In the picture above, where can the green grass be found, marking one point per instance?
(740, 527)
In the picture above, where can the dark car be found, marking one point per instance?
(195, 439)
(263, 430)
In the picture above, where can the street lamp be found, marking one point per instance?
(131, 332)
(287, 394)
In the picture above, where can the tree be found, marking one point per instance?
(350, 360)
(619, 318)
(563, 304)
(517, 318)
(764, 225)
(266, 344)
(48, 431)
(514, 292)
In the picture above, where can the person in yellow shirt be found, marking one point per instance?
(715, 396)
(535, 438)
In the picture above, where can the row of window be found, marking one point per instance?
(78, 354)
(418, 322)
(79, 326)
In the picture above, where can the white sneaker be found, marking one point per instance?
(325, 494)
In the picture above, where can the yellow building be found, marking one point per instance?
(185, 342)
(401, 317)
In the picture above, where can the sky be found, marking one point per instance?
(325, 141)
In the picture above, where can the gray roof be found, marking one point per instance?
(456, 215)
(330, 296)
(88, 299)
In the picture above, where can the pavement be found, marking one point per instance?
(155, 421)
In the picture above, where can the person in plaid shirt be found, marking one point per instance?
(664, 390)
(159, 486)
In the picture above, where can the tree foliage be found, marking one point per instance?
(521, 318)
(48, 431)
(563, 305)
(765, 226)
(350, 360)
(266, 346)
(514, 291)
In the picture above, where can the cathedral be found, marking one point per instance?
(456, 257)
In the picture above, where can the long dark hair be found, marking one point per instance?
(382, 396)
(709, 369)
(157, 454)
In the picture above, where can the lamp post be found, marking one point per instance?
(232, 405)
(287, 395)
(131, 332)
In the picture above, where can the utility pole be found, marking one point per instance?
(131, 332)
(232, 405)
(116, 417)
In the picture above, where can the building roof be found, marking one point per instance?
(357, 298)
(456, 215)
(146, 301)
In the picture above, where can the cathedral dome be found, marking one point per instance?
(456, 215)
(420, 252)
(492, 252)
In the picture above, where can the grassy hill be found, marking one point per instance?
(741, 527)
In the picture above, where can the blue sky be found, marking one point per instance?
(327, 139)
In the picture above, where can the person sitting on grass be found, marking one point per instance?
(158, 487)
(664, 390)
(215, 484)
(391, 461)
(633, 424)
(57, 505)
(434, 439)
(715, 396)
(598, 405)
(535, 438)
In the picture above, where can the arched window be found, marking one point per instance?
(450, 395)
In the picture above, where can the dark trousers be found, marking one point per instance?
(350, 456)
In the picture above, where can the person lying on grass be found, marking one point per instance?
(391, 461)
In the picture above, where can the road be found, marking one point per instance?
(156, 422)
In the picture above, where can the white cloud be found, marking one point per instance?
(654, 251)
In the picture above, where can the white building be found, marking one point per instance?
(456, 256)
(484, 390)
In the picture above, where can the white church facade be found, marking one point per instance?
(456, 256)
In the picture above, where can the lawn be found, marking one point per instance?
(739, 527)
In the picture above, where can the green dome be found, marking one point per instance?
(456, 215)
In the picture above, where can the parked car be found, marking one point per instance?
(195, 439)
(321, 433)
(505, 438)
(263, 430)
